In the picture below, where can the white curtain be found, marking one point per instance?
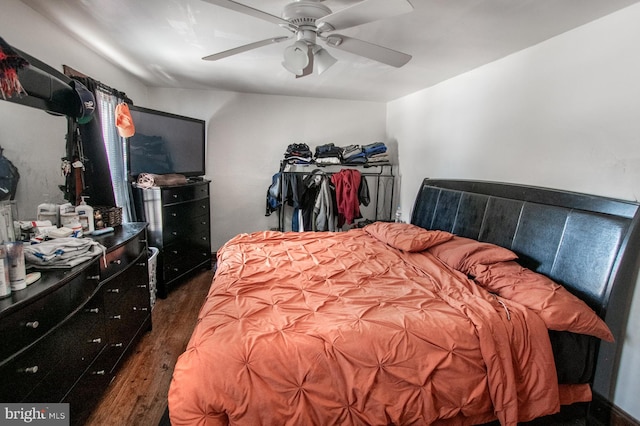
(116, 152)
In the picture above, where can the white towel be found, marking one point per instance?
(62, 252)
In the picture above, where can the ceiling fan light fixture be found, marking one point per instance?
(291, 70)
(296, 57)
(322, 59)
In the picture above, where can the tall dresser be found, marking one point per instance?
(179, 226)
(65, 336)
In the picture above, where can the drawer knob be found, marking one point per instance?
(32, 324)
(117, 345)
(96, 340)
(204, 238)
(113, 290)
(94, 277)
(141, 286)
(117, 317)
(174, 233)
(116, 262)
(140, 309)
(174, 214)
(98, 373)
(175, 195)
(92, 310)
(29, 370)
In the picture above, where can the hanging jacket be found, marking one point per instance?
(273, 194)
(363, 192)
(324, 211)
(347, 184)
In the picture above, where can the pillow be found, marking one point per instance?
(558, 308)
(406, 237)
(463, 253)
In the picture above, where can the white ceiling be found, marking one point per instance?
(162, 41)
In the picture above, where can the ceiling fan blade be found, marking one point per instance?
(368, 50)
(363, 12)
(245, 48)
(248, 10)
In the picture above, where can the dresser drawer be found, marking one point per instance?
(84, 396)
(179, 194)
(118, 259)
(186, 213)
(28, 368)
(25, 326)
(187, 235)
(188, 253)
(182, 258)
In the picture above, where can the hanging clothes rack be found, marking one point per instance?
(382, 190)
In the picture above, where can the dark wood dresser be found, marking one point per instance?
(64, 336)
(179, 226)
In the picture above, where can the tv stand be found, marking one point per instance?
(179, 227)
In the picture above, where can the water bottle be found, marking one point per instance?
(398, 215)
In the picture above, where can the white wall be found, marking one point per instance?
(562, 114)
(247, 136)
(32, 139)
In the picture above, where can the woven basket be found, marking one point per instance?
(111, 216)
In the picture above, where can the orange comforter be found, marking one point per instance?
(339, 328)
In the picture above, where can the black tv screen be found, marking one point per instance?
(165, 143)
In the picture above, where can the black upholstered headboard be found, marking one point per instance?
(587, 243)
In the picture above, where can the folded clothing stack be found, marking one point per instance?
(376, 153)
(352, 154)
(298, 153)
(62, 253)
(328, 154)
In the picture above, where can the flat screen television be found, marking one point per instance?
(165, 143)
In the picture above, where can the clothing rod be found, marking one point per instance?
(313, 166)
(333, 173)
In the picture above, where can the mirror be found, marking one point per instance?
(34, 141)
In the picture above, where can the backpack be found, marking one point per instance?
(273, 194)
(9, 177)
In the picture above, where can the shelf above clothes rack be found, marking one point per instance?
(381, 190)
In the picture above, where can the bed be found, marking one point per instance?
(498, 302)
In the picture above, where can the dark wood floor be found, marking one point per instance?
(138, 395)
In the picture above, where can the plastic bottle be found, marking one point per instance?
(398, 215)
(85, 213)
(5, 284)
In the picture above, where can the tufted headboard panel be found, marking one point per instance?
(589, 244)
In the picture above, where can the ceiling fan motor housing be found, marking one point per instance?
(305, 13)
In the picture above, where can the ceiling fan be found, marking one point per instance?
(310, 20)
